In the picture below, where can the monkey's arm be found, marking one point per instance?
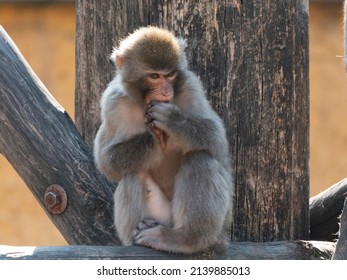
(123, 144)
(114, 160)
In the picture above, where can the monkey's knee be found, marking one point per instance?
(202, 213)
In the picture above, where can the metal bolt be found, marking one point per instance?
(51, 199)
(55, 199)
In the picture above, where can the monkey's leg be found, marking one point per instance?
(158, 206)
(200, 205)
(129, 207)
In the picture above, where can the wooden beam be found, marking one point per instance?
(42, 143)
(282, 250)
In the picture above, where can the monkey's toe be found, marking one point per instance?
(144, 224)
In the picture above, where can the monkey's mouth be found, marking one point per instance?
(164, 99)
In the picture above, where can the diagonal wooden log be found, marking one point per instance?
(341, 246)
(42, 143)
(325, 211)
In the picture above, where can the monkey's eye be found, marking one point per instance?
(171, 74)
(154, 76)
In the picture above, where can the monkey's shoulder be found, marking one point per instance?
(117, 104)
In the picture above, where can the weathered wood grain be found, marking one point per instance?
(341, 246)
(325, 211)
(41, 142)
(283, 250)
(252, 57)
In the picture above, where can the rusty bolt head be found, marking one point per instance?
(55, 199)
(51, 199)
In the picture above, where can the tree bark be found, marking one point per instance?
(41, 142)
(282, 250)
(252, 57)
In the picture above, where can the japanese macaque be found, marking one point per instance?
(166, 147)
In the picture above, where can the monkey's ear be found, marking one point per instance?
(117, 58)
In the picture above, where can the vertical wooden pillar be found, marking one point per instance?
(267, 94)
(252, 57)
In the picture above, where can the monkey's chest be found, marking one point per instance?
(164, 172)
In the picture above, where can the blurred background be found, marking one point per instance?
(44, 32)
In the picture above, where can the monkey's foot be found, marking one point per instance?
(148, 233)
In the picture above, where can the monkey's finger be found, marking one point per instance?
(146, 223)
(161, 136)
(141, 226)
(156, 131)
(160, 125)
(152, 103)
(148, 119)
(157, 116)
(161, 107)
(138, 238)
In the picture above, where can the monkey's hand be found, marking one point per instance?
(164, 116)
(158, 116)
(161, 136)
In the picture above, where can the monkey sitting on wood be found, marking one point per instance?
(166, 147)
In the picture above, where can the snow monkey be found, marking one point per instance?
(166, 147)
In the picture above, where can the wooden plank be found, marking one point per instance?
(284, 250)
(42, 143)
(325, 210)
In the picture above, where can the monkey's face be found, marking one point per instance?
(159, 86)
(151, 62)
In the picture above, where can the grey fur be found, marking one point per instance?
(179, 199)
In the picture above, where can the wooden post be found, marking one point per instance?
(252, 57)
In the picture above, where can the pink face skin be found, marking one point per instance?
(161, 85)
